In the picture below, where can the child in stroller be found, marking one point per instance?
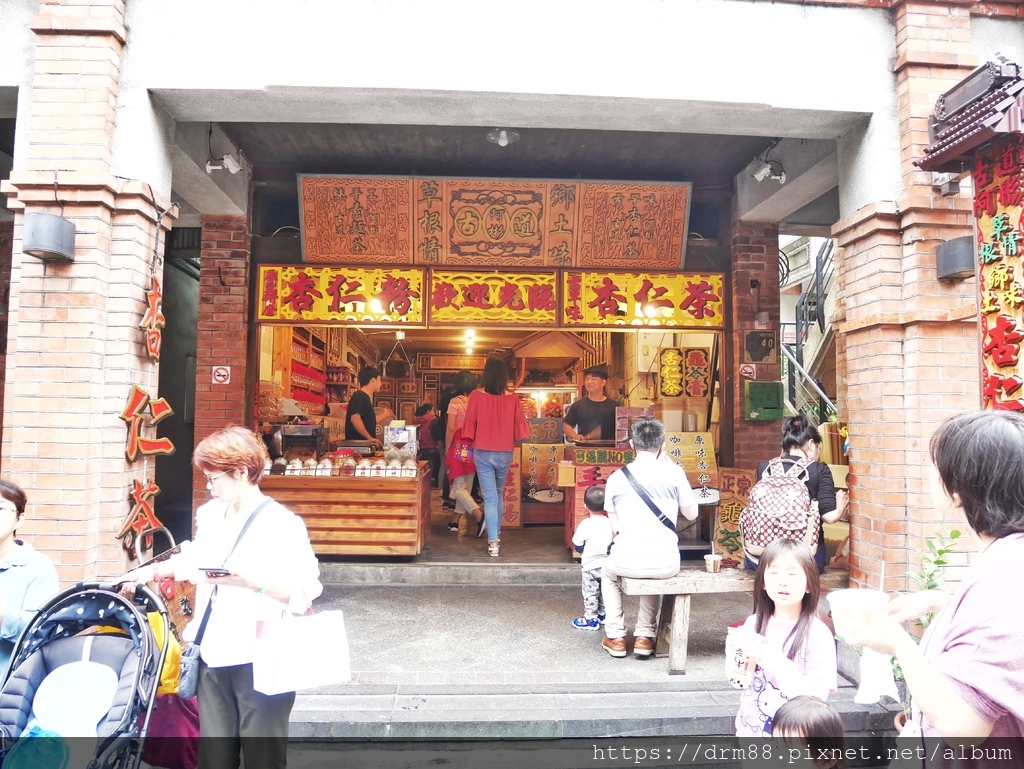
(87, 665)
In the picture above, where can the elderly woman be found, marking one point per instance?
(966, 679)
(252, 558)
(27, 578)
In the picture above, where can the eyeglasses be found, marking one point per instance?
(211, 478)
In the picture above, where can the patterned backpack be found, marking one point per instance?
(779, 506)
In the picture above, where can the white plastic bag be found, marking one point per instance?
(301, 652)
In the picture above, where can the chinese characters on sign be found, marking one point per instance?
(366, 221)
(697, 372)
(641, 299)
(695, 452)
(469, 297)
(153, 320)
(142, 517)
(735, 486)
(525, 223)
(623, 223)
(998, 199)
(670, 372)
(354, 295)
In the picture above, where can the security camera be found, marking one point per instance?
(762, 172)
(229, 162)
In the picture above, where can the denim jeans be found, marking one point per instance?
(492, 469)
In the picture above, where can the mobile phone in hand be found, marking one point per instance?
(214, 571)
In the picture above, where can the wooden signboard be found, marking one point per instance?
(513, 517)
(695, 453)
(459, 297)
(545, 430)
(734, 486)
(674, 300)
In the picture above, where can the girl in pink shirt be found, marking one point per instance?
(793, 651)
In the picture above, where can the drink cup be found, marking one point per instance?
(856, 609)
(739, 670)
(713, 563)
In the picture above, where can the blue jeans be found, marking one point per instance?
(492, 469)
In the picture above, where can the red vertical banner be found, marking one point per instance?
(998, 200)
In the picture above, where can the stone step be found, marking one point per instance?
(479, 574)
(538, 712)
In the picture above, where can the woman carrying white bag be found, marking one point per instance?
(253, 565)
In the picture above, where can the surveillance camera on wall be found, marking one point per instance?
(770, 169)
(229, 162)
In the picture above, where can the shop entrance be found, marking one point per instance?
(308, 374)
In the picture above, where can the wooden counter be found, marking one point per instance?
(358, 516)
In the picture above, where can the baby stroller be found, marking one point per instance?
(109, 663)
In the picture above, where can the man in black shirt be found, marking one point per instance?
(360, 418)
(592, 417)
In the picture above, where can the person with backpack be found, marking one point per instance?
(794, 495)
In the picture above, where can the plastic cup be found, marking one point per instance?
(739, 671)
(713, 563)
(856, 609)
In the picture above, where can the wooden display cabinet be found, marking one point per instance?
(358, 516)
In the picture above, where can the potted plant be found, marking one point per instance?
(930, 576)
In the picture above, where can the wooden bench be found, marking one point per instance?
(674, 622)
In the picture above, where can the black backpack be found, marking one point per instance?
(437, 428)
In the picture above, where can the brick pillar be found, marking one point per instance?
(223, 324)
(755, 257)
(908, 350)
(75, 345)
(6, 248)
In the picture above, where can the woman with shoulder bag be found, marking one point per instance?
(252, 561)
(459, 454)
(494, 422)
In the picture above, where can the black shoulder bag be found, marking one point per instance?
(188, 678)
(646, 498)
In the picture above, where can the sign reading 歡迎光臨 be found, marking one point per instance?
(998, 202)
(469, 297)
(601, 298)
(341, 294)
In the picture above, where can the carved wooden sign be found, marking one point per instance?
(518, 223)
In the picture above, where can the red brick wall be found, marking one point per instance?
(755, 256)
(908, 349)
(6, 245)
(223, 329)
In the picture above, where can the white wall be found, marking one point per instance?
(711, 66)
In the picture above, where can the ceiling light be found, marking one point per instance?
(470, 333)
(503, 136)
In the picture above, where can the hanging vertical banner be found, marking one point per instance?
(479, 297)
(670, 372)
(697, 372)
(642, 299)
(353, 220)
(998, 202)
(342, 295)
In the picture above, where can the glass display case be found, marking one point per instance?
(546, 401)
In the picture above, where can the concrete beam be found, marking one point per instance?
(811, 168)
(219, 192)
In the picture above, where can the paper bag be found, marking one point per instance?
(301, 652)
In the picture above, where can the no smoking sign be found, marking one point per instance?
(222, 375)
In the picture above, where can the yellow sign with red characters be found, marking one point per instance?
(341, 294)
(591, 298)
(485, 297)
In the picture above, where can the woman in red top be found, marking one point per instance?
(494, 422)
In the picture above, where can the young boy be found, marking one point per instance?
(591, 540)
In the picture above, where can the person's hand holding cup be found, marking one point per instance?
(861, 618)
(743, 650)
